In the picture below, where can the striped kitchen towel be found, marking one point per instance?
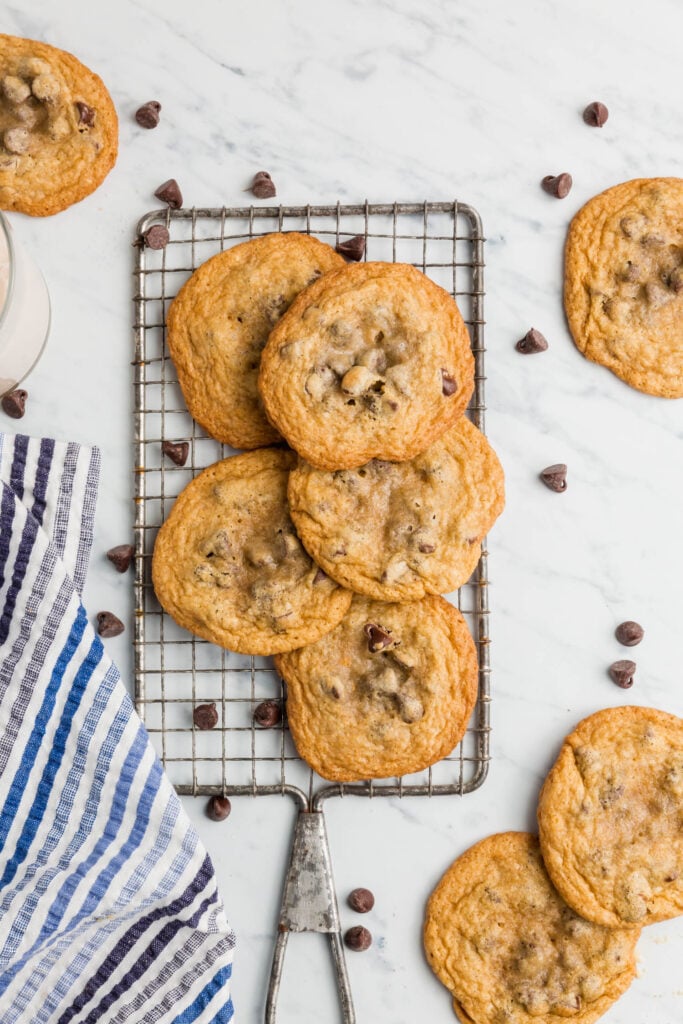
(109, 909)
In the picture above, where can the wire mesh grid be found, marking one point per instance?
(175, 671)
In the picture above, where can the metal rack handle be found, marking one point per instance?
(309, 904)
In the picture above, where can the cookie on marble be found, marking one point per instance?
(610, 817)
(58, 128)
(389, 691)
(396, 531)
(229, 567)
(624, 283)
(220, 321)
(372, 361)
(509, 949)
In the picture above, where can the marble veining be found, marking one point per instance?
(384, 100)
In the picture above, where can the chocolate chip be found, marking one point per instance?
(629, 633)
(361, 900)
(218, 808)
(14, 403)
(319, 576)
(177, 451)
(427, 549)
(205, 716)
(352, 248)
(147, 116)
(267, 714)
(675, 281)
(156, 237)
(121, 556)
(358, 938)
(262, 186)
(378, 637)
(555, 477)
(532, 342)
(595, 114)
(448, 383)
(109, 625)
(622, 673)
(558, 186)
(170, 193)
(86, 114)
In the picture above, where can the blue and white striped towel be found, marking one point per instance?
(109, 909)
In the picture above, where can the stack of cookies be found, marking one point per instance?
(330, 548)
(524, 928)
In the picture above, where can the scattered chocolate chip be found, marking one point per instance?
(170, 193)
(532, 342)
(595, 114)
(361, 900)
(319, 576)
(622, 673)
(177, 451)
(352, 248)
(358, 938)
(218, 808)
(156, 237)
(109, 625)
(262, 186)
(205, 716)
(378, 637)
(558, 186)
(86, 114)
(555, 477)
(14, 403)
(427, 549)
(267, 714)
(629, 633)
(121, 556)
(147, 116)
(448, 383)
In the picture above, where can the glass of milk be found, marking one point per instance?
(24, 311)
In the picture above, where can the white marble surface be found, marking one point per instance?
(404, 100)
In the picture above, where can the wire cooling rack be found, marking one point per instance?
(176, 671)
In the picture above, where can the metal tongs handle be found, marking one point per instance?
(309, 904)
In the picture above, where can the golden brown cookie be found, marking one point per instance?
(58, 128)
(372, 361)
(509, 949)
(220, 321)
(624, 283)
(388, 692)
(610, 816)
(399, 530)
(228, 566)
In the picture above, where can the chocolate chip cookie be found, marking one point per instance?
(388, 692)
(219, 323)
(610, 816)
(58, 128)
(229, 567)
(624, 283)
(372, 361)
(399, 530)
(509, 949)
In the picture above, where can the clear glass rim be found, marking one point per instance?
(7, 237)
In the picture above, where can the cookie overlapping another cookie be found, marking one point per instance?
(372, 361)
(229, 567)
(389, 691)
(500, 937)
(396, 531)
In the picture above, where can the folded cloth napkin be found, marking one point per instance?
(109, 909)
